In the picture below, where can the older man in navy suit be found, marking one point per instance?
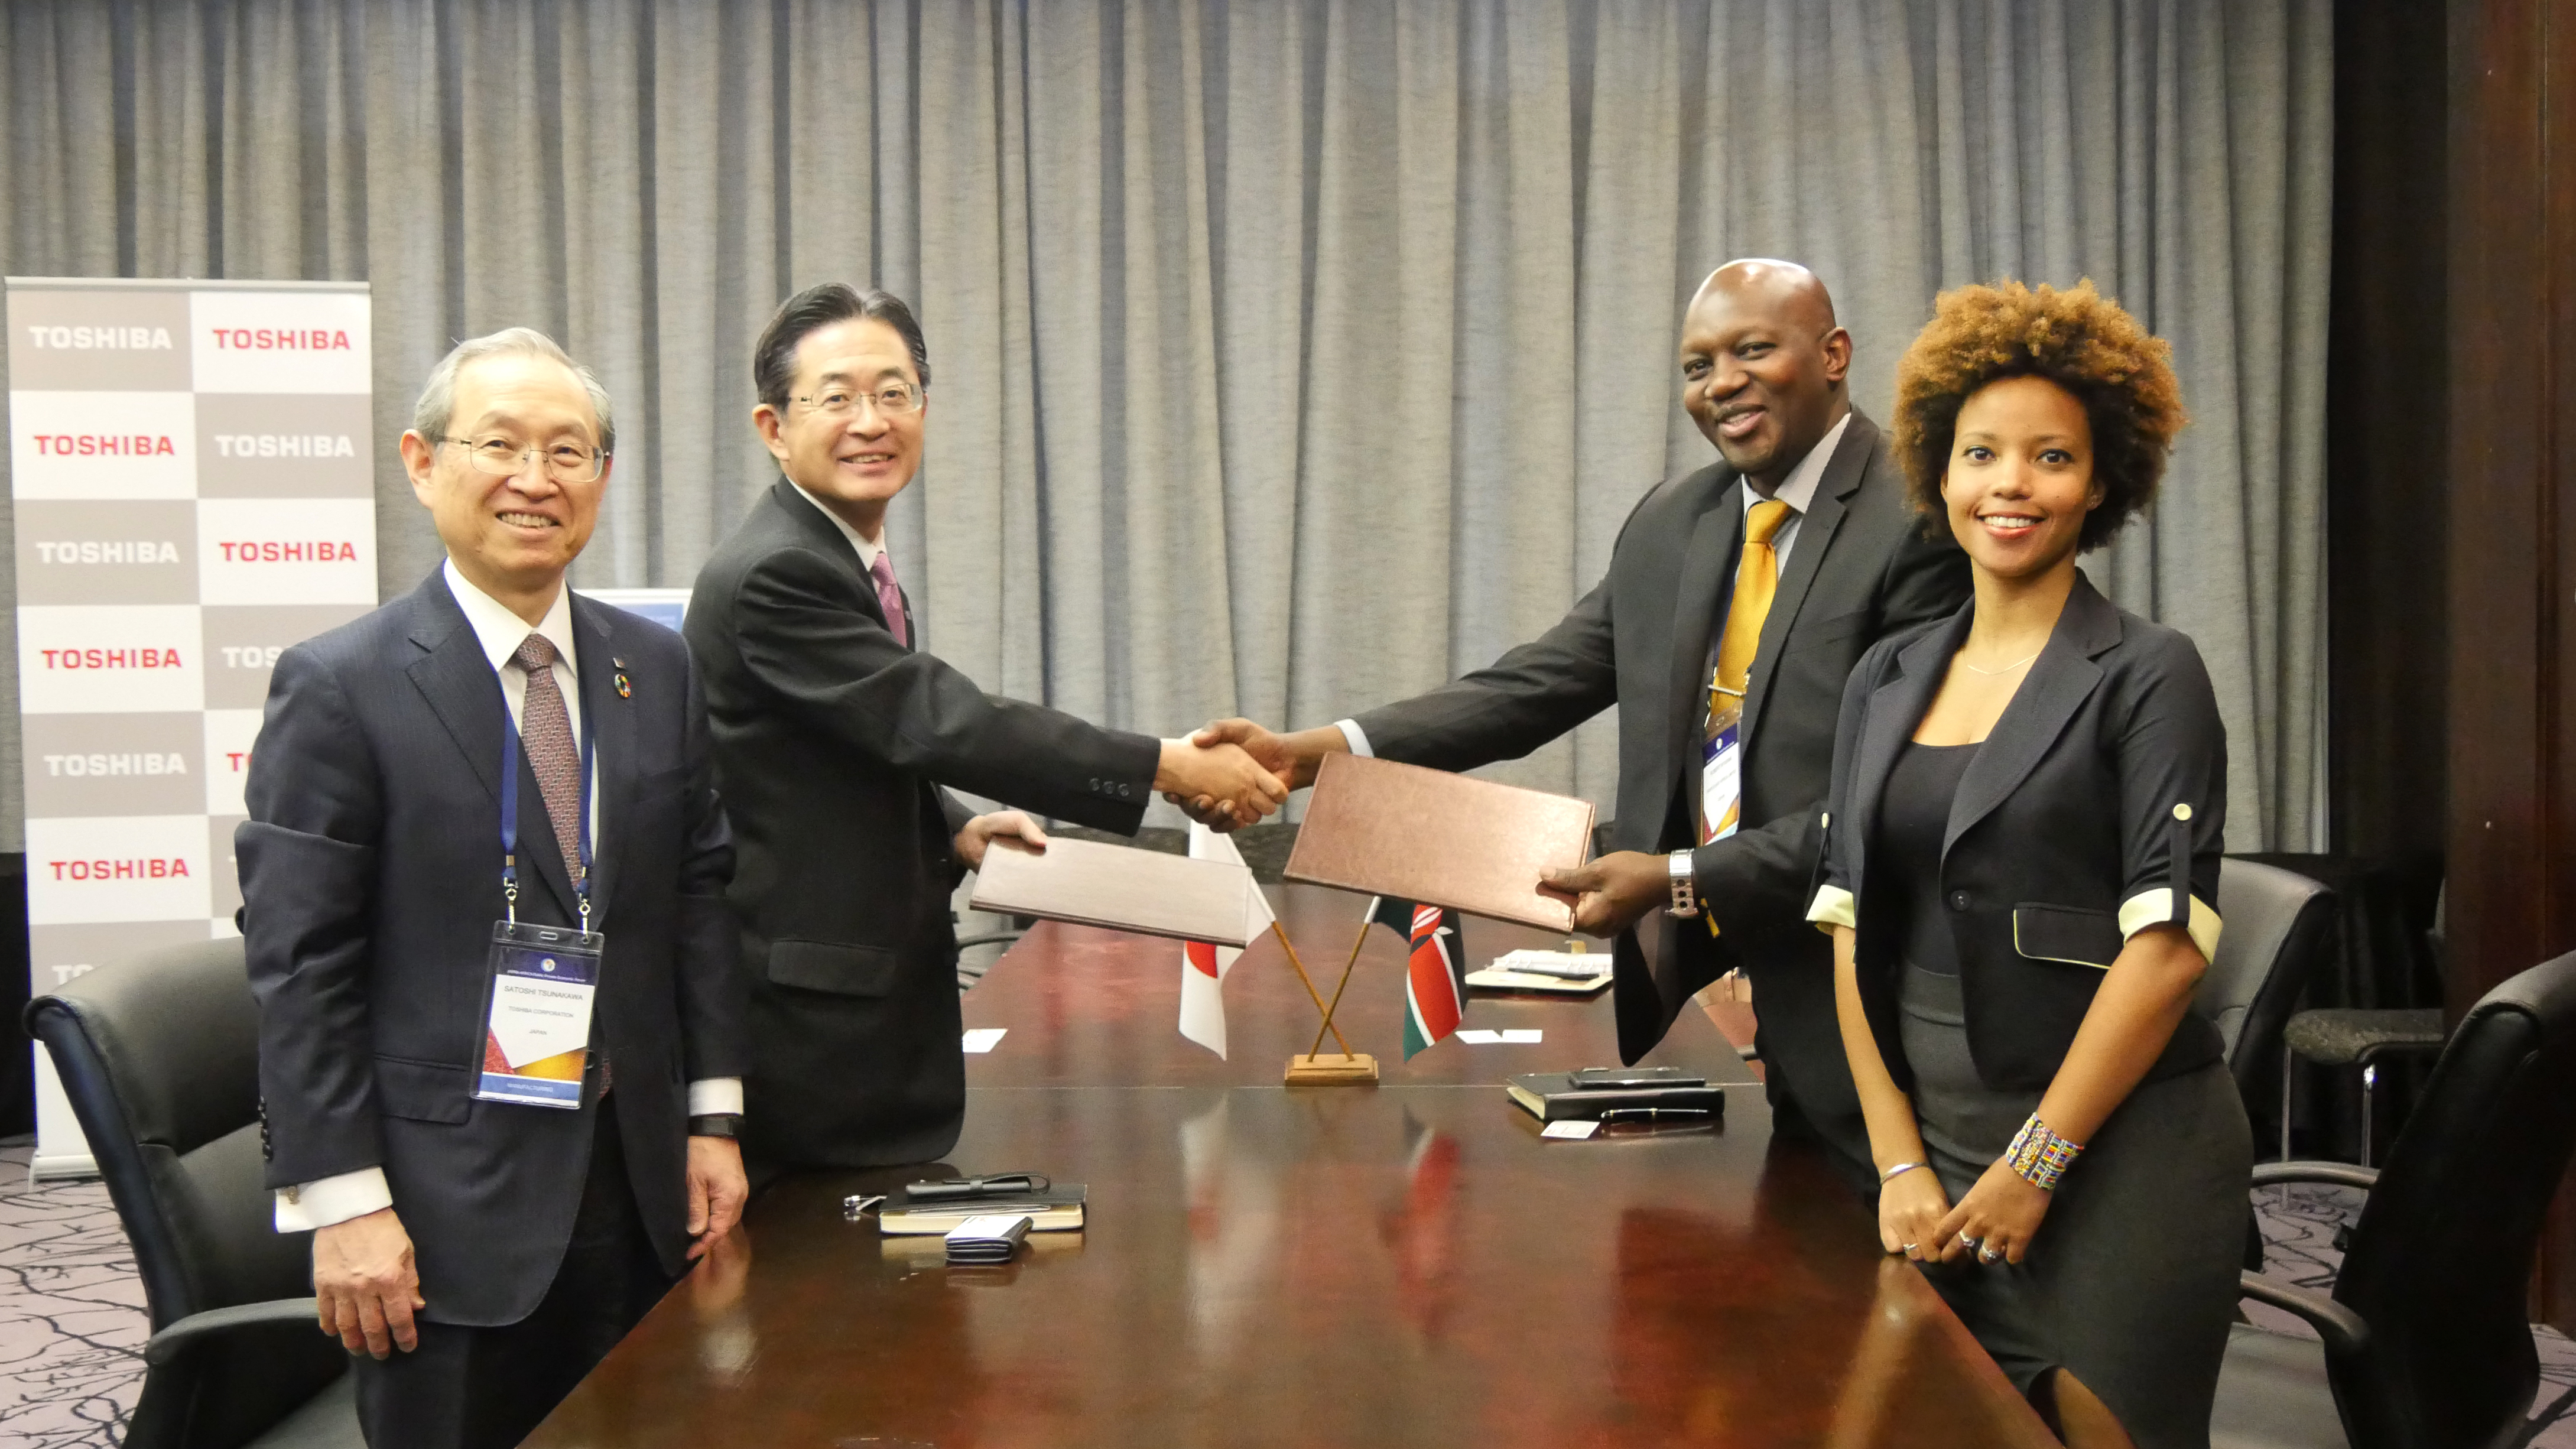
(490, 746)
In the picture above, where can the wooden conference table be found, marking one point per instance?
(1405, 1264)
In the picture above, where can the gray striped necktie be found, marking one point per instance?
(547, 727)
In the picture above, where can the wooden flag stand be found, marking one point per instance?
(1314, 1068)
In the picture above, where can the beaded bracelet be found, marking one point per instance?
(2040, 1157)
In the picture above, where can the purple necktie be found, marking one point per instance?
(890, 598)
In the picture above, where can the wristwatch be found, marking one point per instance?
(718, 1124)
(1685, 883)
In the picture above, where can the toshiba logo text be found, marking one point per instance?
(108, 551)
(100, 766)
(104, 445)
(150, 867)
(281, 339)
(95, 339)
(111, 658)
(290, 551)
(283, 445)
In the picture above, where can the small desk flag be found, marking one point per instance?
(1435, 971)
(1203, 966)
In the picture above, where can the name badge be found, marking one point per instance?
(1721, 777)
(536, 1035)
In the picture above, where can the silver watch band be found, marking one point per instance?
(1685, 884)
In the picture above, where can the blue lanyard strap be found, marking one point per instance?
(587, 740)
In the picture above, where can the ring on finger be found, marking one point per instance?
(1968, 1243)
(1990, 1255)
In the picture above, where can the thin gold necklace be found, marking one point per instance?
(2006, 669)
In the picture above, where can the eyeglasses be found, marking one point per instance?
(891, 399)
(564, 462)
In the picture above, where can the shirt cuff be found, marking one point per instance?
(1355, 737)
(328, 1200)
(1833, 907)
(716, 1097)
(2155, 908)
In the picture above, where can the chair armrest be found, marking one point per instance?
(2338, 1174)
(2343, 1330)
(198, 1329)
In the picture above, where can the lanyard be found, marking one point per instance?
(510, 813)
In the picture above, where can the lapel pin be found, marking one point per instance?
(624, 689)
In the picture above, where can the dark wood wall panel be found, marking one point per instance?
(2512, 483)
(2387, 396)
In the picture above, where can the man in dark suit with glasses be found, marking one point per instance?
(497, 1187)
(838, 737)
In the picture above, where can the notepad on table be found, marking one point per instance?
(1565, 973)
(1057, 1209)
(1616, 1094)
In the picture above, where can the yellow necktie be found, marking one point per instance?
(1757, 578)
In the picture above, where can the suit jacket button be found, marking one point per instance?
(1126, 792)
(1958, 900)
(1095, 784)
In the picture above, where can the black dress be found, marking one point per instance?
(2131, 1280)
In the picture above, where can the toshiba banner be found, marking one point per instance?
(195, 492)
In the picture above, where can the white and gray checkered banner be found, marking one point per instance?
(194, 481)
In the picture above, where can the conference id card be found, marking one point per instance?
(1721, 775)
(536, 1034)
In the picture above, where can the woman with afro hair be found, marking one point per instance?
(2022, 846)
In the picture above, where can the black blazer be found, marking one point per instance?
(2096, 807)
(371, 876)
(1862, 567)
(831, 743)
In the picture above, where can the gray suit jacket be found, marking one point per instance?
(371, 876)
(1864, 567)
(832, 741)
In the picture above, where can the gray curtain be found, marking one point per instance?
(1289, 357)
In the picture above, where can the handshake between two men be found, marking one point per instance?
(1226, 787)
(1609, 894)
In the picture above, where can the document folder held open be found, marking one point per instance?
(1121, 888)
(1440, 839)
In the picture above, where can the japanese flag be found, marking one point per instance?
(1203, 966)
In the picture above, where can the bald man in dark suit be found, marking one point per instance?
(1736, 602)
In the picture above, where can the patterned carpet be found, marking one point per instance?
(71, 1312)
(72, 1320)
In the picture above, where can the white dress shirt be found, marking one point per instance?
(337, 1199)
(1797, 490)
(868, 548)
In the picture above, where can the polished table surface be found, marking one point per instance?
(1404, 1264)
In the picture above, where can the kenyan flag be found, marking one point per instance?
(1435, 972)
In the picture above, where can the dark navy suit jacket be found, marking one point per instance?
(832, 742)
(371, 876)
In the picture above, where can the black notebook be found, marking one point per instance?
(1618, 1094)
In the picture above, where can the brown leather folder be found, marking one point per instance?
(1446, 840)
(1123, 889)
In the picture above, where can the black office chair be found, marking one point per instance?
(2425, 1338)
(2280, 924)
(160, 1059)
